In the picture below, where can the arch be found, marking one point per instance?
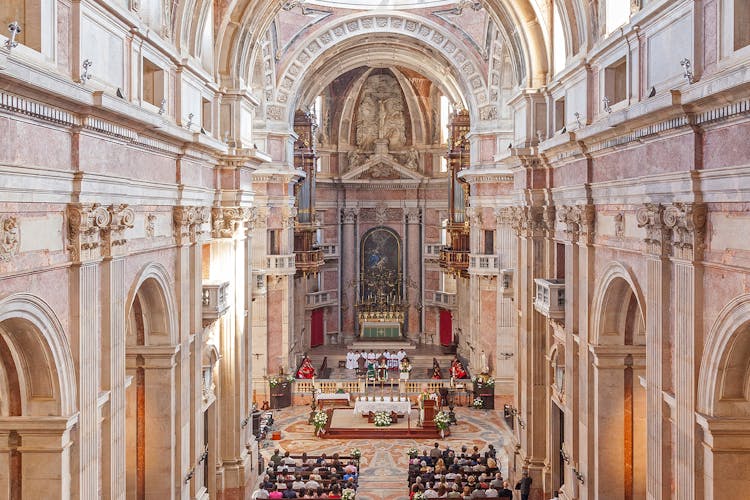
(728, 342)
(607, 293)
(159, 305)
(358, 26)
(43, 344)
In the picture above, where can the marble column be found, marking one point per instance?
(349, 259)
(413, 271)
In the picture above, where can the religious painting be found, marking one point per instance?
(381, 113)
(380, 275)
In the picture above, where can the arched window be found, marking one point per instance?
(617, 13)
(558, 41)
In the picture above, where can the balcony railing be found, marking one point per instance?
(315, 300)
(484, 265)
(549, 298)
(454, 261)
(432, 251)
(309, 261)
(330, 250)
(214, 299)
(281, 264)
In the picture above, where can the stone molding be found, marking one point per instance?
(257, 218)
(412, 215)
(527, 221)
(288, 217)
(474, 216)
(96, 231)
(9, 238)
(187, 223)
(677, 230)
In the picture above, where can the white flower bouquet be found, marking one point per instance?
(442, 420)
(319, 421)
(355, 453)
(477, 403)
(382, 419)
(348, 494)
(412, 452)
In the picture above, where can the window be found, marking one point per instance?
(153, 83)
(617, 13)
(274, 243)
(206, 115)
(558, 41)
(489, 242)
(559, 114)
(616, 81)
(445, 112)
(38, 23)
(741, 24)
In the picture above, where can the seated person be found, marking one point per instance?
(457, 369)
(436, 373)
(306, 369)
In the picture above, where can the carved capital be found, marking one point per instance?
(121, 217)
(8, 238)
(651, 217)
(687, 222)
(257, 218)
(228, 221)
(95, 231)
(548, 218)
(527, 220)
(413, 215)
(349, 215)
(188, 222)
(503, 216)
(288, 216)
(474, 216)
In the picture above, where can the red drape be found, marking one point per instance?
(446, 327)
(316, 328)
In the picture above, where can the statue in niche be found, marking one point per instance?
(380, 114)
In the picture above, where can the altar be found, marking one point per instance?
(388, 406)
(380, 330)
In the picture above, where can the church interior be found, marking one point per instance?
(362, 227)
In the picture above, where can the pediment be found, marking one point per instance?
(381, 167)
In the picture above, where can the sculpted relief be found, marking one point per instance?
(380, 114)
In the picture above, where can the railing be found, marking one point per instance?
(309, 261)
(330, 250)
(445, 299)
(281, 264)
(413, 387)
(549, 298)
(454, 260)
(214, 299)
(320, 299)
(432, 251)
(484, 265)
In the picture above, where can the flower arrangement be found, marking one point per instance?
(412, 452)
(319, 420)
(281, 379)
(348, 494)
(442, 420)
(477, 403)
(418, 496)
(355, 453)
(483, 381)
(382, 419)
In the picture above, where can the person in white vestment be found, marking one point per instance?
(350, 360)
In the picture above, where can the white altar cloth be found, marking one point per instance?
(365, 407)
(332, 395)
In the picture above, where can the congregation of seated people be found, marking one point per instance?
(466, 474)
(306, 476)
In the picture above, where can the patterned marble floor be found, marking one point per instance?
(384, 462)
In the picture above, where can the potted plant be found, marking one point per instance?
(442, 422)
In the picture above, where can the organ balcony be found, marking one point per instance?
(454, 258)
(214, 300)
(309, 257)
(549, 297)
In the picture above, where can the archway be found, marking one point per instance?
(724, 401)
(37, 399)
(150, 399)
(619, 399)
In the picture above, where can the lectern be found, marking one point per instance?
(429, 413)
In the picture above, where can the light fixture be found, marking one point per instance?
(605, 102)
(190, 117)
(578, 119)
(564, 455)
(579, 476)
(15, 29)
(505, 355)
(162, 107)
(687, 73)
(86, 76)
(190, 475)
